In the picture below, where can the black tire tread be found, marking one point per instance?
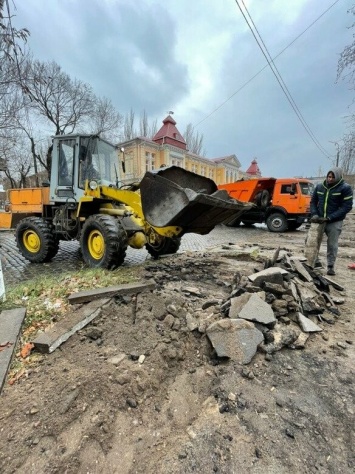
(115, 241)
(167, 245)
(45, 230)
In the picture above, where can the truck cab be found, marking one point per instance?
(283, 203)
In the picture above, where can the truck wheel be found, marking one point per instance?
(35, 239)
(277, 222)
(163, 246)
(103, 242)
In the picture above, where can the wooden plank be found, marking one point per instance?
(50, 340)
(10, 326)
(110, 291)
(313, 243)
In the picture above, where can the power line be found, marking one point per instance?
(278, 76)
(262, 69)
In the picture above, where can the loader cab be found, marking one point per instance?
(78, 158)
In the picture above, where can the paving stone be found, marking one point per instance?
(10, 325)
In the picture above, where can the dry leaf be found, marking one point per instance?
(26, 350)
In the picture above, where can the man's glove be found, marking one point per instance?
(318, 220)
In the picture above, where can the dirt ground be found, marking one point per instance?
(139, 391)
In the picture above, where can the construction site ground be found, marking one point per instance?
(138, 391)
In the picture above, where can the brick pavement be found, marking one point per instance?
(16, 268)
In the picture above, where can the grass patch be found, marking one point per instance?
(45, 297)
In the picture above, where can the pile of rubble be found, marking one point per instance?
(273, 308)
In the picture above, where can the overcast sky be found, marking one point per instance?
(193, 56)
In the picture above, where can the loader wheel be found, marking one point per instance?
(277, 222)
(103, 242)
(36, 240)
(163, 246)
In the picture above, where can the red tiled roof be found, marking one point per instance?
(254, 168)
(169, 134)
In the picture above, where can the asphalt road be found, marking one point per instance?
(16, 268)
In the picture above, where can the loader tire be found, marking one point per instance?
(36, 240)
(165, 246)
(103, 242)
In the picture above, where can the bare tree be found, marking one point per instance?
(143, 125)
(105, 120)
(194, 140)
(347, 58)
(56, 97)
(346, 153)
(128, 128)
(18, 157)
(346, 71)
(12, 42)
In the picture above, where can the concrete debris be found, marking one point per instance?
(236, 339)
(280, 301)
(50, 340)
(257, 310)
(109, 292)
(307, 325)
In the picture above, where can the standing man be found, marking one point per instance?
(331, 201)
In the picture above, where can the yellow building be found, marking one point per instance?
(168, 148)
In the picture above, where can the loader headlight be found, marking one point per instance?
(93, 185)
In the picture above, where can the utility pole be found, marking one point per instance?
(337, 162)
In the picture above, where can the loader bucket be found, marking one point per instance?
(175, 197)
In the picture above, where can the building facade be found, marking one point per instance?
(168, 148)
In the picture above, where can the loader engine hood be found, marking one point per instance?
(175, 197)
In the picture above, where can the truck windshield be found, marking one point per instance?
(306, 188)
(98, 161)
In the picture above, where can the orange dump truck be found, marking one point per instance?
(283, 204)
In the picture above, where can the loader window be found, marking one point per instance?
(98, 161)
(66, 162)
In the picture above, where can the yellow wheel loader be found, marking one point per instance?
(87, 201)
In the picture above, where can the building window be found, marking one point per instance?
(176, 162)
(149, 161)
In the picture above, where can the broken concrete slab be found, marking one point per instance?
(272, 275)
(302, 271)
(333, 283)
(307, 325)
(110, 291)
(50, 340)
(236, 339)
(10, 326)
(237, 303)
(313, 242)
(257, 310)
